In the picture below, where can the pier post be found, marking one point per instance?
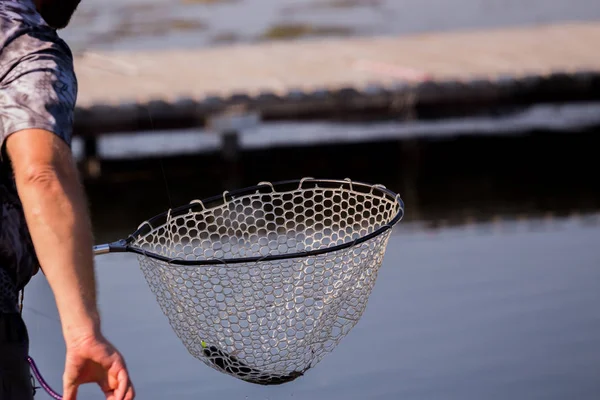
(91, 161)
(410, 154)
(230, 149)
(229, 125)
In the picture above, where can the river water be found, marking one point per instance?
(457, 313)
(506, 308)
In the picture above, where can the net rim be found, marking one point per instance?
(297, 184)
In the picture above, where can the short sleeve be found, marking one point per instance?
(39, 89)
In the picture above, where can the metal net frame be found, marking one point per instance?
(263, 282)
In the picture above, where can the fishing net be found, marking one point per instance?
(262, 284)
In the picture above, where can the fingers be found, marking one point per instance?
(130, 395)
(125, 385)
(124, 388)
(98, 362)
(69, 392)
(122, 383)
(70, 384)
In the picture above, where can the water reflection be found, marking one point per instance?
(442, 181)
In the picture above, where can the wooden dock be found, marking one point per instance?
(422, 76)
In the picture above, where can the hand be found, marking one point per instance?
(93, 359)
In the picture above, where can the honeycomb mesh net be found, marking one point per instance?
(270, 319)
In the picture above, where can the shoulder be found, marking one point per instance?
(23, 12)
(25, 36)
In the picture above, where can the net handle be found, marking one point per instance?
(115, 247)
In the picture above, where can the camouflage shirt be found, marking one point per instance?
(38, 89)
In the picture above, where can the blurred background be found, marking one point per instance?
(158, 24)
(490, 288)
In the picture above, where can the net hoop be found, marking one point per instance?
(262, 282)
(265, 188)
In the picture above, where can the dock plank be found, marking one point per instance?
(118, 77)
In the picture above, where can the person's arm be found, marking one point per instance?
(57, 218)
(56, 212)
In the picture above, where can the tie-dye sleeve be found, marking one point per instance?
(39, 88)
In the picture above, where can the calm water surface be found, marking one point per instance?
(502, 312)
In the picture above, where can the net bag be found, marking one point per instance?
(262, 283)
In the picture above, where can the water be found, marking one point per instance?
(155, 24)
(490, 310)
(507, 311)
(501, 310)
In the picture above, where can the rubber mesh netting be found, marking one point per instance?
(269, 321)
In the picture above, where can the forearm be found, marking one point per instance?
(57, 218)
